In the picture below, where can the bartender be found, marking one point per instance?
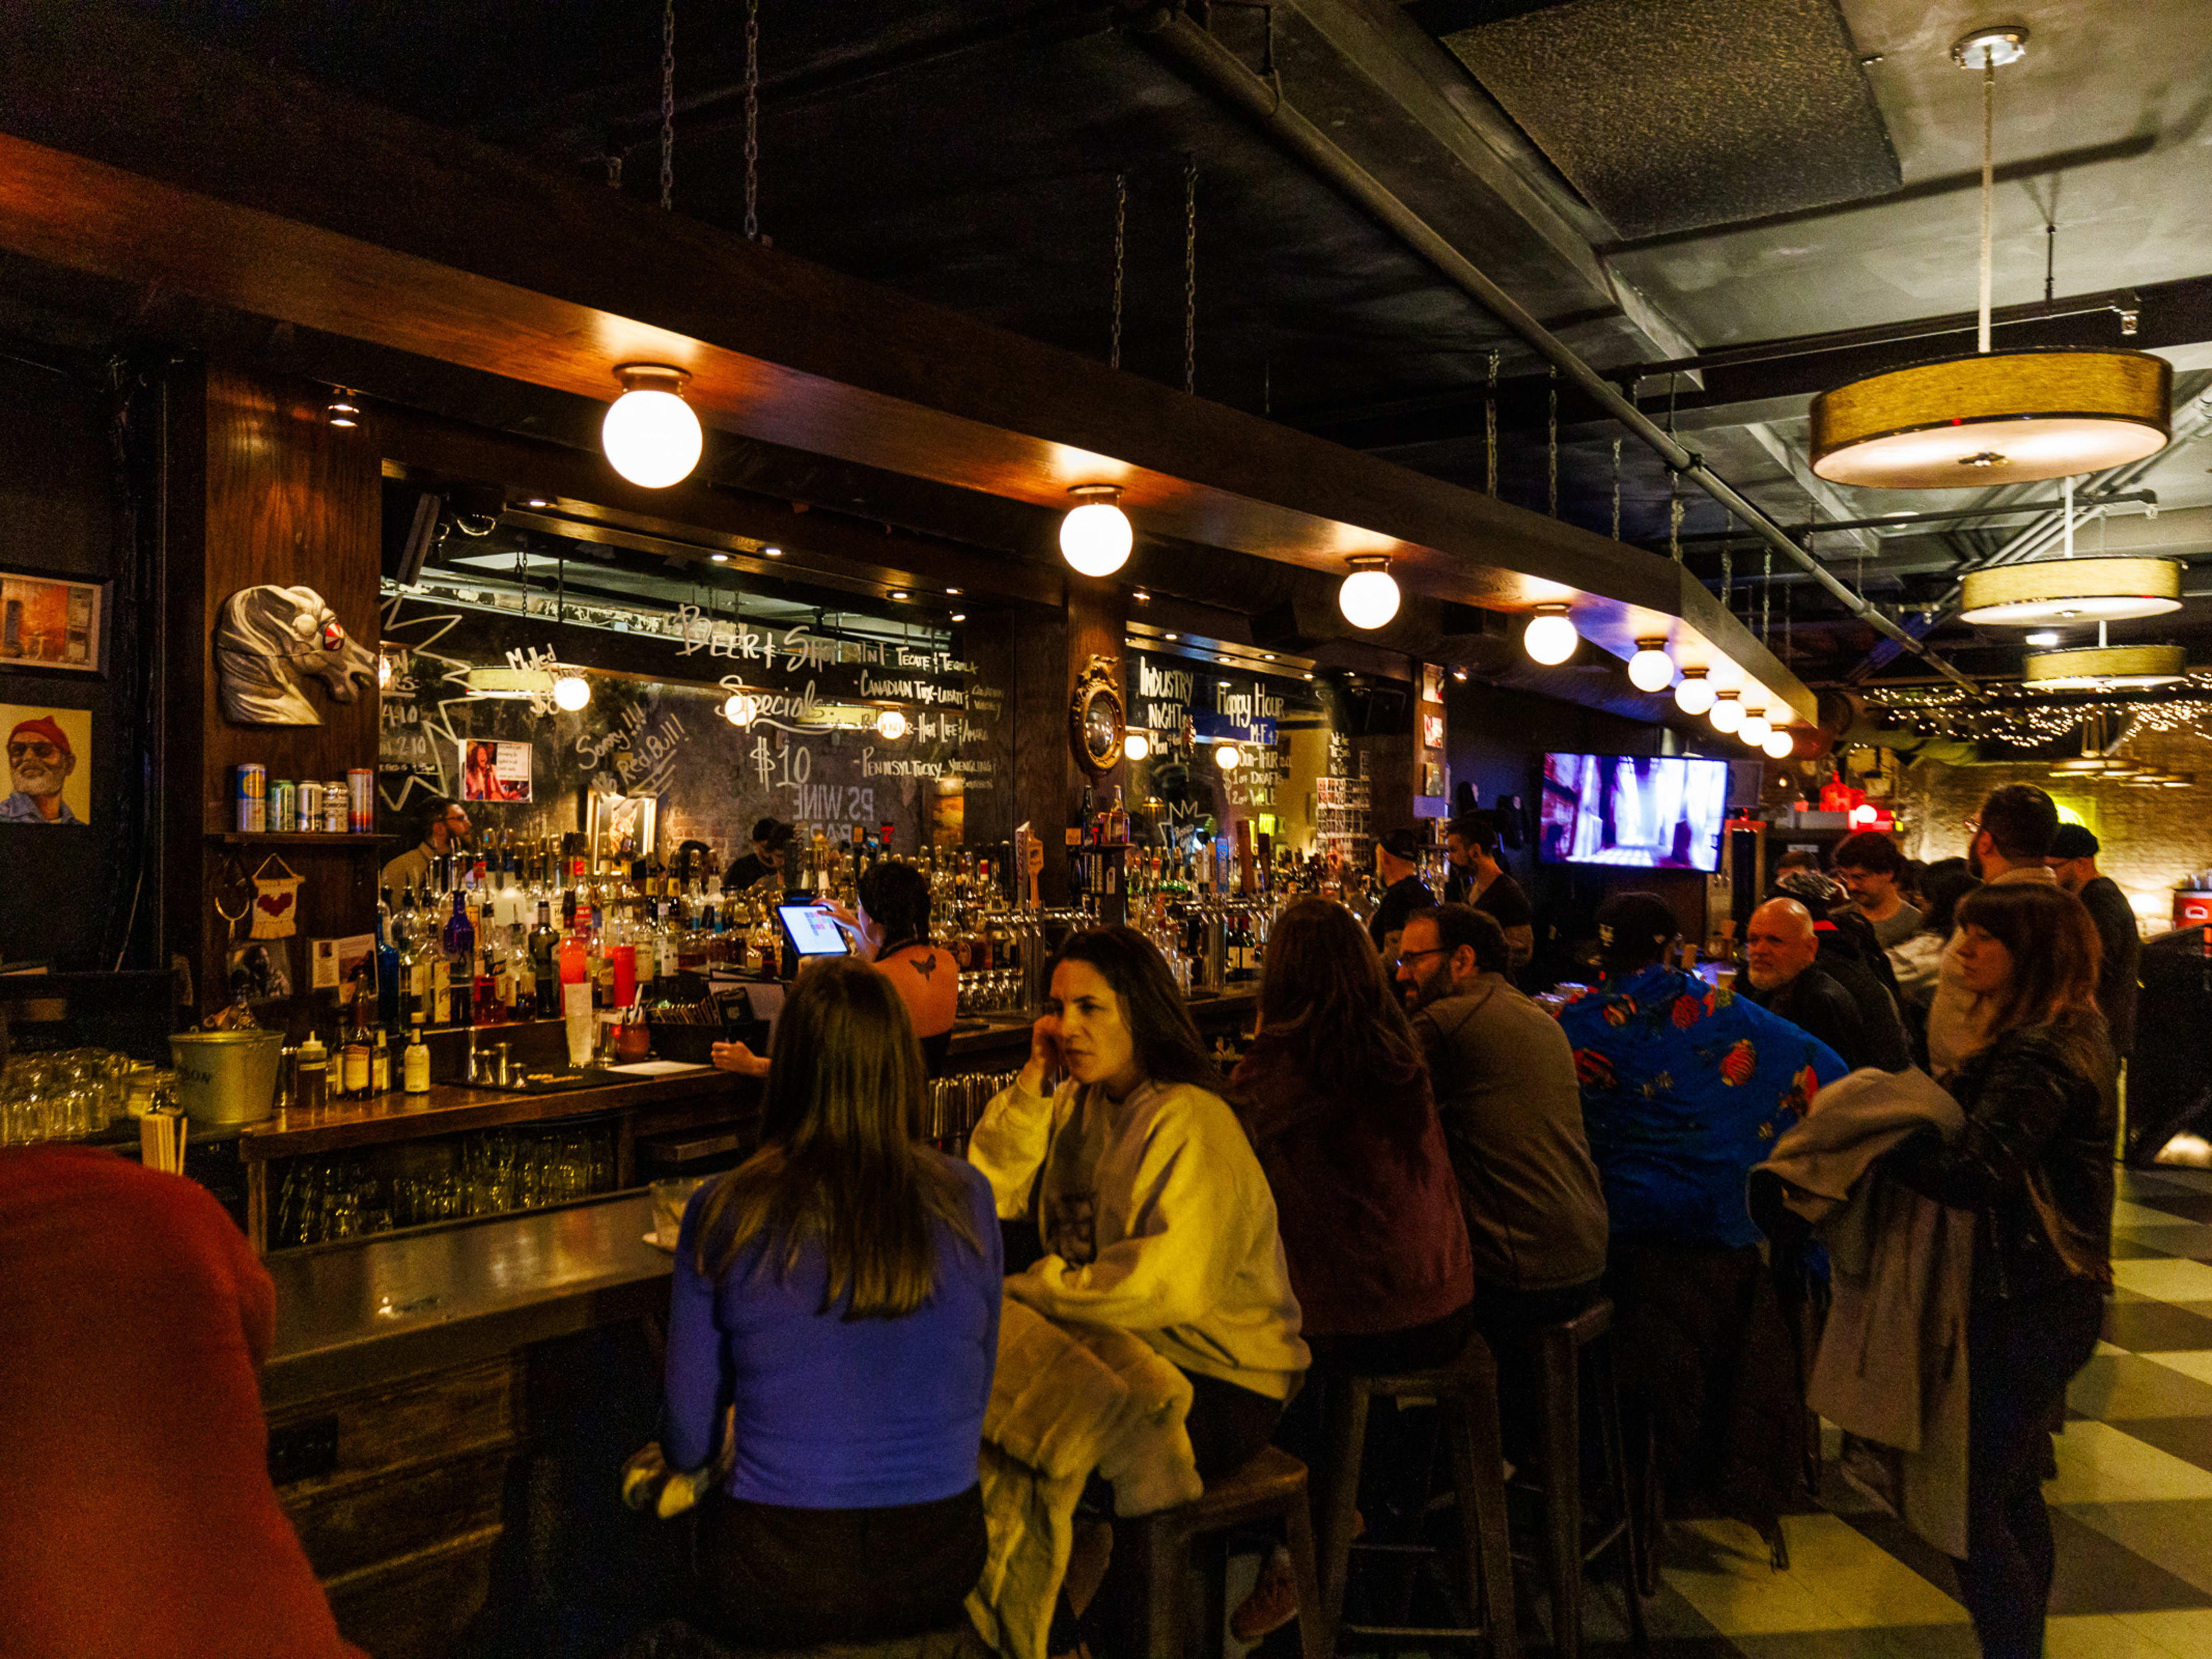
(445, 830)
(770, 838)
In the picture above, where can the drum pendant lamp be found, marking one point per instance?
(1993, 418)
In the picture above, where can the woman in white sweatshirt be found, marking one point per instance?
(1153, 1212)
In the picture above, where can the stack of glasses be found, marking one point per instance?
(64, 1094)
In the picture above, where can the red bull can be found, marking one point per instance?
(252, 796)
(361, 785)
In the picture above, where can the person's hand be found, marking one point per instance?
(736, 1057)
(838, 913)
(1045, 1057)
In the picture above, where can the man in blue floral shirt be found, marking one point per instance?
(1684, 1087)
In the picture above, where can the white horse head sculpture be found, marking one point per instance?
(270, 641)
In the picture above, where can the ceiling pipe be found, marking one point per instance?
(1907, 520)
(1199, 52)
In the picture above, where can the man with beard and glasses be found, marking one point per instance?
(2010, 842)
(39, 762)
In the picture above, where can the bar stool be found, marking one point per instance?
(1562, 1350)
(1465, 1394)
(1270, 1488)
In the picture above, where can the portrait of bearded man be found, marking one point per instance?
(39, 762)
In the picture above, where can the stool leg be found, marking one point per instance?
(1316, 1635)
(1477, 1460)
(1156, 1625)
(1346, 1419)
(1631, 1542)
(1563, 1489)
(1212, 1551)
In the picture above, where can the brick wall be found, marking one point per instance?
(2151, 838)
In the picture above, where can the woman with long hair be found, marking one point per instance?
(1153, 1213)
(843, 1254)
(2034, 1162)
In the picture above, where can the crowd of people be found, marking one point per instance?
(1413, 1154)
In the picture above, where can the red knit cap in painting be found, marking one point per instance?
(44, 727)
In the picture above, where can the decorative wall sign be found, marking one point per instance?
(51, 622)
(1095, 722)
(276, 913)
(271, 642)
(49, 765)
(492, 770)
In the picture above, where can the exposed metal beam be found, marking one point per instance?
(1204, 56)
(1906, 520)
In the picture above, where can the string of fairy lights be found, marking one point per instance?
(2023, 721)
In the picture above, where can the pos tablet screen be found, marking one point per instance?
(812, 933)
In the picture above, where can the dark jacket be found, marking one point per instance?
(2122, 957)
(1365, 1197)
(2034, 1162)
(1400, 900)
(1816, 1004)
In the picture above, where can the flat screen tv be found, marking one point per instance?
(1643, 811)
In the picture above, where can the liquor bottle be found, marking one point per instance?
(380, 1065)
(546, 979)
(389, 1002)
(1117, 822)
(353, 1074)
(415, 974)
(415, 1064)
(460, 963)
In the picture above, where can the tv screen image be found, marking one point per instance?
(1643, 811)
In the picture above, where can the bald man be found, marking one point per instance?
(1779, 949)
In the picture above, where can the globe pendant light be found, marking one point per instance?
(651, 435)
(1228, 757)
(571, 691)
(890, 725)
(1368, 597)
(1650, 668)
(1095, 537)
(1993, 418)
(1695, 693)
(1728, 712)
(1136, 745)
(2105, 667)
(1755, 727)
(1550, 637)
(1780, 745)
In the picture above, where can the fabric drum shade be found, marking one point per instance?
(1997, 418)
(2053, 591)
(2104, 666)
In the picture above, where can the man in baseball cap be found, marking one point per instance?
(1397, 857)
(39, 762)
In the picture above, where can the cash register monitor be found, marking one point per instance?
(812, 933)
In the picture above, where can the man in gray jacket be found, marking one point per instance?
(1503, 1075)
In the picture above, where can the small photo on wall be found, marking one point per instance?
(1433, 681)
(260, 970)
(49, 622)
(1432, 731)
(494, 771)
(49, 765)
(1432, 779)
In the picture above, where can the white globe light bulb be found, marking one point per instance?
(1550, 637)
(651, 435)
(1779, 744)
(1755, 727)
(1136, 745)
(1369, 598)
(1227, 757)
(1650, 668)
(571, 692)
(1095, 538)
(1695, 693)
(890, 725)
(736, 710)
(1727, 714)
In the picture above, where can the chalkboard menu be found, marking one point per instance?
(718, 722)
(1279, 729)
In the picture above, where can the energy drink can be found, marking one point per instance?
(252, 796)
(283, 804)
(311, 807)
(361, 786)
(337, 807)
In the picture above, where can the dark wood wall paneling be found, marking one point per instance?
(58, 517)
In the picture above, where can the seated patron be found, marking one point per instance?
(843, 1254)
(1781, 951)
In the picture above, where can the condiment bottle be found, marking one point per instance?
(314, 1074)
(414, 1067)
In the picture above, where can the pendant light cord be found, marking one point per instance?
(1551, 434)
(753, 120)
(1490, 428)
(1989, 182)
(1190, 275)
(667, 105)
(1616, 489)
(1120, 246)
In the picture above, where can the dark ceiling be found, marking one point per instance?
(1682, 178)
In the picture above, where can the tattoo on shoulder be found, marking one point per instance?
(923, 965)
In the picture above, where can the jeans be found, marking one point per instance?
(2021, 1353)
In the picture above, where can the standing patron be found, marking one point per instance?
(2010, 844)
(2073, 860)
(1870, 867)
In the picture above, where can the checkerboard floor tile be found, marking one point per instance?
(2131, 1506)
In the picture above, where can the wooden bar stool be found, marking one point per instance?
(1465, 1394)
(1562, 1351)
(1271, 1488)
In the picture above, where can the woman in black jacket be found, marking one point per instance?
(2035, 1163)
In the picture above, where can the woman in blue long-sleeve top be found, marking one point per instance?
(841, 1290)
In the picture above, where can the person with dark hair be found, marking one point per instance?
(1870, 867)
(1403, 890)
(2034, 1163)
(1154, 1214)
(842, 1253)
(1504, 1078)
(1337, 1105)
(2073, 859)
(771, 836)
(1479, 879)
(2010, 844)
(445, 831)
(1781, 954)
(890, 927)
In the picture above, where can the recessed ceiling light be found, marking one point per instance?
(718, 558)
(771, 552)
(899, 594)
(952, 589)
(538, 501)
(1141, 596)
(1268, 657)
(960, 616)
(1308, 677)
(1172, 636)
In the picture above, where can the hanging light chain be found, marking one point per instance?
(1616, 489)
(1989, 182)
(1673, 516)
(1120, 253)
(1190, 275)
(1767, 598)
(667, 105)
(1728, 564)
(1490, 426)
(1552, 442)
(753, 120)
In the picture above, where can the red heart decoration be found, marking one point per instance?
(276, 904)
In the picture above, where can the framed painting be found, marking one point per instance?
(54, 622)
